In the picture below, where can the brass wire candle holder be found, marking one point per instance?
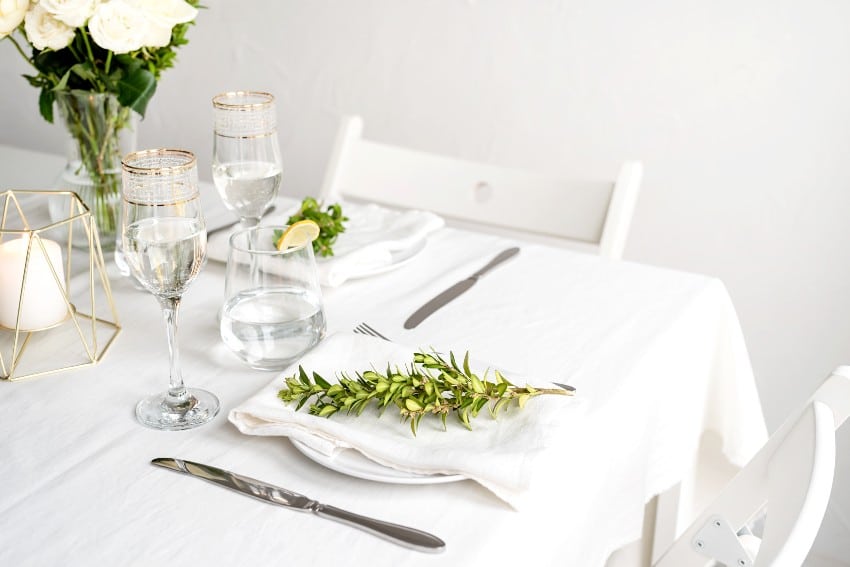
(56, 307)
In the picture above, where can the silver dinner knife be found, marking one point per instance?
(460, 287)
(269, 493)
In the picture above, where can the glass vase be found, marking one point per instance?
(100, 132)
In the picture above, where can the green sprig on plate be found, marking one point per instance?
(431, 385)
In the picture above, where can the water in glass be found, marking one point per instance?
(269, 328)
(165, 254)
(247, 188)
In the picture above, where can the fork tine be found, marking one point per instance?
(374, 332)
(365, 329)
(360, 330)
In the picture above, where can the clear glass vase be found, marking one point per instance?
(100, 132)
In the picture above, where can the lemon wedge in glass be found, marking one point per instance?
(298, 234)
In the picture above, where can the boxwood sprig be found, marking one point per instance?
(431, 385)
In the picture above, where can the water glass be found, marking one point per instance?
(273, 310)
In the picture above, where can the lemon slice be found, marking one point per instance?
(297, 234)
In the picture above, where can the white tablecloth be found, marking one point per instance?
(657, 355)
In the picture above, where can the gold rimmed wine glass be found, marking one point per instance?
(246, 159)
(165, 240)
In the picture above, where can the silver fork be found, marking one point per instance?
(365, 329)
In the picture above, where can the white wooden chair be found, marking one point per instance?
(595, 212)
(791, 478)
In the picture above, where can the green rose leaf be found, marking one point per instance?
(136, 89)
(45, 103)
(84, 71)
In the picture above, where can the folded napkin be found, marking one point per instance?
(373, 235)
(499, 454)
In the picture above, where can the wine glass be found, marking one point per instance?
(165, 240)
(246, 159)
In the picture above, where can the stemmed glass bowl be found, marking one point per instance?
(246, 159)
(165, 240)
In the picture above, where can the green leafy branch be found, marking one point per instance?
(429, 386)
(331, 223)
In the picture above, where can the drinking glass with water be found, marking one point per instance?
(246, 159)
(273, 311)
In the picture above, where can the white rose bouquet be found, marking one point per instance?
(98, 61)
(103, 46)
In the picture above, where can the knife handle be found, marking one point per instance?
(500, 257)
(409, 537)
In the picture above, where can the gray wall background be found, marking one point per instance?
(739, 110)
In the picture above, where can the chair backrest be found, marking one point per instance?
(791, 477)
(596, 212)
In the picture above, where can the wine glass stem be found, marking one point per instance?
(248, 222)
(244, 224)
(177, 394)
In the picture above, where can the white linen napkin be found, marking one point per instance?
(372, 236)
(499, 454)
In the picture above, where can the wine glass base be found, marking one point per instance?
(154, 412)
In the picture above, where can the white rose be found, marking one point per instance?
(118, 26)
(167, 13)
(43, 30)
(157, 36)
(12, 13)
(75, 13)
(162, 16)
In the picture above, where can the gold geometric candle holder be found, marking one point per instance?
(56, 306)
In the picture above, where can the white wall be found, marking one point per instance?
(739, 110)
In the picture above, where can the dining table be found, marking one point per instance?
(656, 356)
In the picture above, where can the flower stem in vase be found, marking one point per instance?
(101, 131)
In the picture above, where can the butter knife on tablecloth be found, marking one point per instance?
(457, 289)
(271, 494)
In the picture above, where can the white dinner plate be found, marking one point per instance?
(397, 259)
(353, 463)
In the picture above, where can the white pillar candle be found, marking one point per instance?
(42, 302)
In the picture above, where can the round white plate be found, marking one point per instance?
(397, 259)
(353, 463)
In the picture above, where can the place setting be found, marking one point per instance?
(377, 410)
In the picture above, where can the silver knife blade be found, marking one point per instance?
(457, 289)
(269, 493)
